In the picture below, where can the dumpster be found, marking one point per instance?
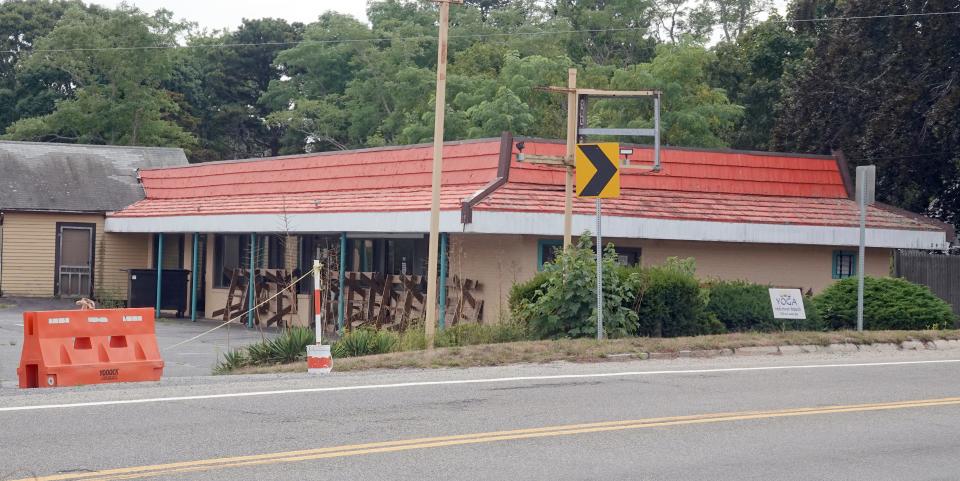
(142, 289)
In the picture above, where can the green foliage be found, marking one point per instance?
(670, 302)
(525, 293)
(565, 304)
(864, 81)
(750, 70)
(888, 304)
(742, 306)
(472, 334)
(365, 342)
(117, 98)
(289, 346)
(232, 360)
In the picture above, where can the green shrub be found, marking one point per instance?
(670, 302)
(564, 305)
(289, 346)
(232, 360)
(413, 338)
(526, 293)
(365, 342)
(888, 304)
(473, 334)
(742, 306)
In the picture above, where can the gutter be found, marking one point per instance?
(503, 175)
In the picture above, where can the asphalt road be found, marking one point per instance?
(870, 416)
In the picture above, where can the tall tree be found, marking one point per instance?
(886, 91)
(681, 20)
(222, 87)
(608, 31)
(117, 60)
(736, 16)
(22, 22)
(750, 71)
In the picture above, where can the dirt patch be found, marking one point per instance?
(587, 350)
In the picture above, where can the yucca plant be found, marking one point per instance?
(232, 360)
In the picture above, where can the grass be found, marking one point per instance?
(587, 350)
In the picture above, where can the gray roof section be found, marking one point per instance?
(40, 176)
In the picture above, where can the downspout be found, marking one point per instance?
(503, 175)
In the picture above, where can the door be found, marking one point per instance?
(74, 267)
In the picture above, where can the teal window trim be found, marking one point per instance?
(837, 256)
(542, 245)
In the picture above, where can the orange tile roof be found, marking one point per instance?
(723, 186)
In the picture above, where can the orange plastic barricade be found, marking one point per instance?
(72, 348)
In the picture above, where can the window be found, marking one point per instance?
(229, 252)
(276, 252)
(844, 264)
(547, 250)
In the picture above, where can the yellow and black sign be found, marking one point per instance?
(598, 170)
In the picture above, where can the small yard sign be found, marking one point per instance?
(787, 304)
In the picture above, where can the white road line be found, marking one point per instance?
(465, 381)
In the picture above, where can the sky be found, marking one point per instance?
(221, 14)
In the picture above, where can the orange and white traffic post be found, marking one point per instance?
(319, 360)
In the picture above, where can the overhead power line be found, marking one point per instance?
(433, 38)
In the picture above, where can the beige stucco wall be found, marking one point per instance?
(498, 262)
(806, 267)
(501, 261)
(29, 254)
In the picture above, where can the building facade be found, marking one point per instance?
(779, 219)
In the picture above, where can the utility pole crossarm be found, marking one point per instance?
(600, 93)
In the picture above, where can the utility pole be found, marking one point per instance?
(430, 303)
(571, 150)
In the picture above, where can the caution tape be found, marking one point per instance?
(238, 316)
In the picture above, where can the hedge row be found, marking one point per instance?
(669, 301)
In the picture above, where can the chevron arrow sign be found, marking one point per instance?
(598, 170)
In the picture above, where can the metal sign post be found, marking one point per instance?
(599, 272)
(866, 182)
(598, 176)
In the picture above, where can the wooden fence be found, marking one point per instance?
(941, 273)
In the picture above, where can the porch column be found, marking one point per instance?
(444, 240)
(343, 275)
(251, 280)
(193, 279)
(159, 271)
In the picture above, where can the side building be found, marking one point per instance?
(781, 219)
(53, 204)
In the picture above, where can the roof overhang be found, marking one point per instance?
(532, 223)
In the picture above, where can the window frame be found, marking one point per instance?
(541, 245)
(837, 256)
(220, 280)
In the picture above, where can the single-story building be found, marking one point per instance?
(53, 202)
(780, 219)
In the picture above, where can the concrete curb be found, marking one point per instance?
(837, 348)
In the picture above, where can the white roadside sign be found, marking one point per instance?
(787, 304)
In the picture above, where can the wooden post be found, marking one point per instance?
(430, 303)
(571, 147)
